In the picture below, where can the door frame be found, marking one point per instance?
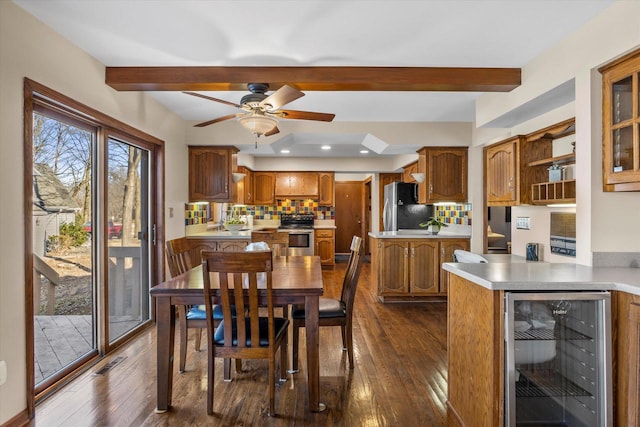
(38, 94)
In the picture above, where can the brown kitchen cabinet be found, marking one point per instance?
(264, 188)
(626, 358)
(326, 188)
(296, 184)
(447, 247)
(621, 123)
(197, 245)
(325, 246)
(411, 268)
(445, 170)
(210, 169)
(502, 166)
(409, 169)
(244, 188)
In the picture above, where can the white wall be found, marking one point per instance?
(29, 49)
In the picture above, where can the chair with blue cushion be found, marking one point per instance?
(334, 312)
(189, 317)
(244, 280)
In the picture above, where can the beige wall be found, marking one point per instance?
(29, 49)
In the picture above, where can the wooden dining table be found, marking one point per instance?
(296, 280)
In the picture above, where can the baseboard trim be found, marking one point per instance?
(19, 420)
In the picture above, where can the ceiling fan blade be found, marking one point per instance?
(272, 131)
(281, 97)
(219, 119)
(306, 115)
(210, 98)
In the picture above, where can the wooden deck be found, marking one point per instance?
(59, 340)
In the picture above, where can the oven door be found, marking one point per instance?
(300, 242)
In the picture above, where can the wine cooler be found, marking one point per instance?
(558, 359)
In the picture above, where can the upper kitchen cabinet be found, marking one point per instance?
(210, 171)
(264, 188)
(245, 187)
(445, 169)
(502, 168)
(326, 188)
(297, 184)
(408, 171)
(621, 124)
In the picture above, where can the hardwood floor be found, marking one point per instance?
(399, 377)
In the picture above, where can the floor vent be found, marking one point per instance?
(106, 368)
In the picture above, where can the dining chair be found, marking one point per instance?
(278, 242)
(241, 276)
(189, 317)
(334, 312)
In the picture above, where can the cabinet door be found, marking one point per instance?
(501, 171)
(283, 184)
(232, 245)
(209, 174)
(325, 246)
(198, 245)
(244, 188)
(263, 188)
(446, 255)
(423, 267)
(621, 124)
(447, 175)
(326, 188)
(394, 267)
(626, 315)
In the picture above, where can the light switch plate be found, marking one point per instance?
(523, 223)
(3, 372)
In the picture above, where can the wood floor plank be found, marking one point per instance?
(399, 377)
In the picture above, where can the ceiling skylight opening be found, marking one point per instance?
(326, 147)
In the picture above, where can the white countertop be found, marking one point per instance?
(508, 272)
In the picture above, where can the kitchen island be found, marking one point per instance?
(476, 345)
(405, 264)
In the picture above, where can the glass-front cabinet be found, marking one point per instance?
(621, 124)
(558, 359)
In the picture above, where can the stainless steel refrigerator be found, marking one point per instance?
(401, 210)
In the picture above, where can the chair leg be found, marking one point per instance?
(344, 337)
(198, 339)
(227, 370)
(295, 343)
(349, 337)
(210, 380)
(272, 386)
(182, 314)
(284, 353)
(238, 365)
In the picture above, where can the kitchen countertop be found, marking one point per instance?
(513, 273)
(244, 234)
(415, 234)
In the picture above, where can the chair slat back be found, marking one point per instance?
(178, 256)
(239, 274)
(278, 241)
(350, 282)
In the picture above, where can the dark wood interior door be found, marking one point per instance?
(349, 206)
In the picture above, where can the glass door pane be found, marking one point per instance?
(127, 228)
(64, 284)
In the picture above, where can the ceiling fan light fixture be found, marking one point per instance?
(258, 124)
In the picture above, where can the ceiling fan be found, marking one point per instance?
(260, 111)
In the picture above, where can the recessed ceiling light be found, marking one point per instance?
(285, 151)
(326, 147)
(364, 151)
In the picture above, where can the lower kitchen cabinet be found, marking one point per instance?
(410, 268)
(325, 247)
(200, 244)
(626, 359)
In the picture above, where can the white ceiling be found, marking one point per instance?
(426, 33)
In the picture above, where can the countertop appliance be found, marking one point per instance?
(558, 359)
(300, 229)
(401, 209)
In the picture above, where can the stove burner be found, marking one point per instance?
(296, 221)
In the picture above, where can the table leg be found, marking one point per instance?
(165, 333)
(313, 347)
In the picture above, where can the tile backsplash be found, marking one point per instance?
(454, 214)
(286, 206)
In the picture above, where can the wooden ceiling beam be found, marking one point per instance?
(451, 79)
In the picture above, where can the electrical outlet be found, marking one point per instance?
(170, 212)
(3, 372)
(523, 223)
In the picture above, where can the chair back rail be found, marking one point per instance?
(178, 256)
(278, 241)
